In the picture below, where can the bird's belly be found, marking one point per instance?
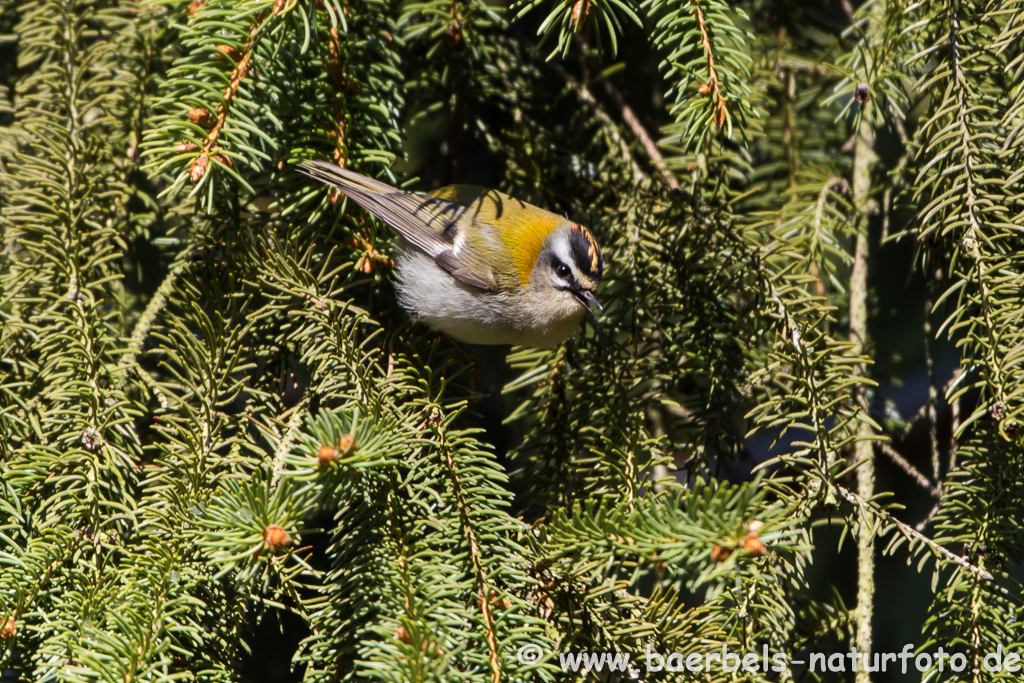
(469, 314)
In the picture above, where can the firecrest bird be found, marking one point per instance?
(479, 265)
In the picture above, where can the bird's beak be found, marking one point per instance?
(586, 298)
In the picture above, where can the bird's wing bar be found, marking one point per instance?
(426, 222)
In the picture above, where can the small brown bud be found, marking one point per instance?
(720, 114)
(862, 94)
(720, 553)
(194, 8)
(223, 159)
(187, 146)
(998, 410)
(497, 600)
(201, 117)
(753, 544)
(229, 52)
(1010, 429)
(9, 629)
(347, 444)
(278, 6)
(366, 265)
(199, 167)
(579, 13)
(704, 90)
(275, 538)
(326, 455)
(402, 635)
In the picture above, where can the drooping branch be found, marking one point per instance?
(202, 162)
(711, 88)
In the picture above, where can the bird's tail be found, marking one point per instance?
(391, 205)
(418, 218)
(349, 182)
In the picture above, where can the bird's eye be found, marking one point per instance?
(562, 270)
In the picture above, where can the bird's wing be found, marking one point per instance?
(428, 223)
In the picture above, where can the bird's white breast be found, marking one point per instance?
(475, 316)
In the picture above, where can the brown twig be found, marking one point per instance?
(475, 559)
(241, 70)
(341, 84)
(911, 471)
(455, 126)
(606, 120)
(908, 155)
(719, 102)
(922, 412)
(631, 120)
(911, 533)
(637, 128)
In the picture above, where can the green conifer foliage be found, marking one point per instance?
(216, 422)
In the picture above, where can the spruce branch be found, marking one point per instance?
(914, 536)
(170, 448)
(864, 162)
(637, 128)
(566, 18)
(606, 120)
(482, 586)
(144, 325)
(719, 104)
(717, 97)
(238, 74)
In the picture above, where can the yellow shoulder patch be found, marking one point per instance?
(523, 228)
